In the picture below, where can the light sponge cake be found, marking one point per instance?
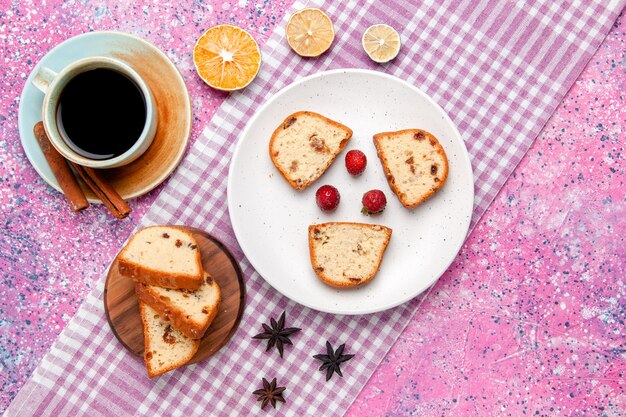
(189, 311)
(166, 348)
(415, 164)
(347, 254)
(304, 146)
(164, 256)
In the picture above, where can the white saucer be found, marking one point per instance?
(167, 85)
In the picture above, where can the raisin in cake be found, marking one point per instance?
(189, 311)
(414, 162)
(166, 348)
(305, 145)
(164, 256)
(347, 254)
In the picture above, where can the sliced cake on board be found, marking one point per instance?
(164, 256)
(166, 347)
(189, 311)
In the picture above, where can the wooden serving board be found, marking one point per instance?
(122, 306)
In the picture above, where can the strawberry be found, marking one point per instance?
(355, 162)
(374, 201)
(327, 197)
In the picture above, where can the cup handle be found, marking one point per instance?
(43, 78)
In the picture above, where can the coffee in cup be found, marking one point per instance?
(98, 112)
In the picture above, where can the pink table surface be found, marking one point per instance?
(529, 319)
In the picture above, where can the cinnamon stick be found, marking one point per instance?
(68, 183)
(111, 199)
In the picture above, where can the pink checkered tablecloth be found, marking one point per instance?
(499, 68)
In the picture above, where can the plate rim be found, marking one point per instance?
(237, 228)
(51, 181)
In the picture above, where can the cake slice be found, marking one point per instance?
(305, 145)
(165, 256)
(189, 311)
(347, 254)
(414, 162)
(166, 348)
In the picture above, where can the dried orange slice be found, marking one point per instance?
(310, 32)
(381, 42)
(227, 57)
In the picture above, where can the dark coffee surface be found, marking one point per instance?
(101, 113)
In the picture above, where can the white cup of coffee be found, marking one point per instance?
(98, 112)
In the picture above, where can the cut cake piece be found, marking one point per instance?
(414, 162)
(305, 145)
(347, 254)
(166, 348)
(189, 311)
(165, 256)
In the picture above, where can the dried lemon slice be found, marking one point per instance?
(310, 32)
(381, 42)
(227, 57)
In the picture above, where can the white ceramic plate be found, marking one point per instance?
(271, 219)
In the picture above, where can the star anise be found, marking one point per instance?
(332, 360)
(277, 334)
(270, 393)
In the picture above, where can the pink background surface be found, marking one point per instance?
(529, 319)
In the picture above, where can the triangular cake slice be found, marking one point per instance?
(347, 254)
(165, 256)
(304, 146)
(414, 162)
(166, 348)
(189, 311)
